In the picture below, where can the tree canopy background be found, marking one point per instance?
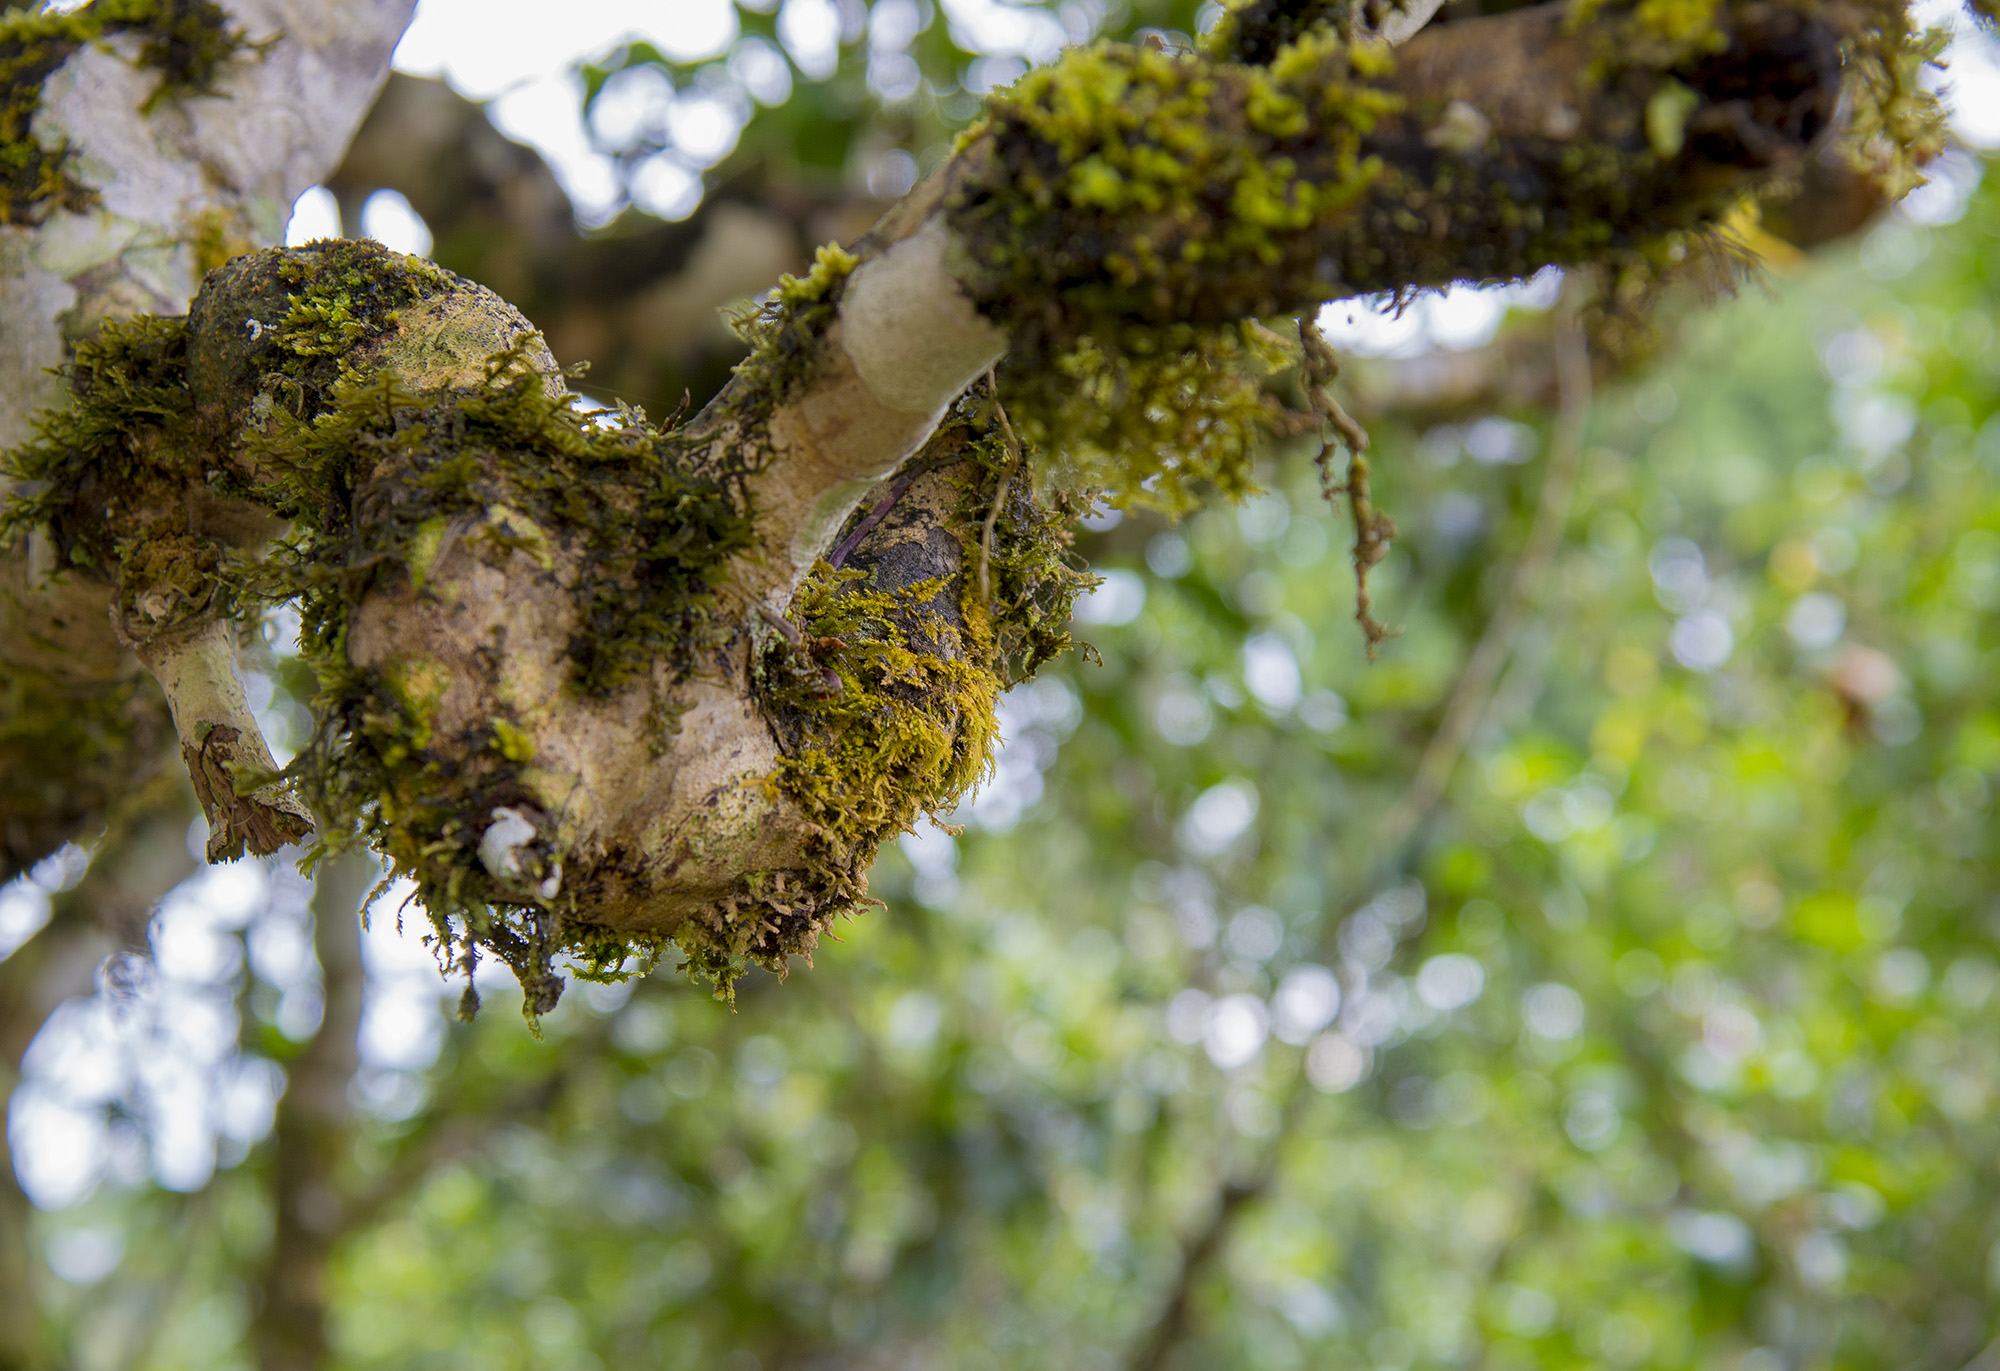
(1665, 1034)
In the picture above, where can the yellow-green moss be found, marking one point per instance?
(1125, 209)
(884, 699)
(784, 331)
(370, 477)
(1259, 30)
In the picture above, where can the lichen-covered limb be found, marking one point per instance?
(1124, 187)
(597, 686)
(546, 696)
(163, 137)
(1122, 194)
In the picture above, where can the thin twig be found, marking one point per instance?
(782, 624)
(999, 496)
(897, 489)
(1467, 704)
(1373, 530)
(1197, 1253)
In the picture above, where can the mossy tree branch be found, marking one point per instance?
(142, 142)
(590, 684)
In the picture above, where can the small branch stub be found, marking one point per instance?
(222, 744)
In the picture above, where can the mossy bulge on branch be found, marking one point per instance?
(372, 410)
(483, 570)
(884, 691)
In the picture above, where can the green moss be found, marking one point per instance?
(885, 701)
(1133, 178)
(217, 235)
(188, 42)
(784, 331)
(1125, 209)
(1896, 125)
(1259, 30)
(1162, 417)
(97, 466)
(340, 294)
(910, 728)
(537, 476)
(372, 477)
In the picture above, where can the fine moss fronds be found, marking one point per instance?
(300, 321)
(784, 331)
(115, 464)
(188, 42)
(1163, 417)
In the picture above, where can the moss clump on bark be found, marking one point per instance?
(188, 42)
(883, 690)
(283, 327)
(784, 330)
(117, 464)
(1162, 417)
(528, 473)
(1258, 30)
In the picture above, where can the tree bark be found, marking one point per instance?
(162, 190)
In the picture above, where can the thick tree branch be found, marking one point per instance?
(641, 299)
(566, 714)
(1124, 189)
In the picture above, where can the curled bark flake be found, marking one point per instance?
(263, 821)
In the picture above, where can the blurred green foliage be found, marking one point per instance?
(870, 95)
